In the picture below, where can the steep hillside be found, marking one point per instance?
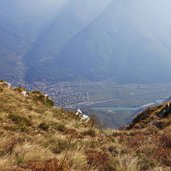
(128, 42)
(20, 24)
(37, 136)
(12, 47)
(159, 116)
(92, 40)
(75, 17)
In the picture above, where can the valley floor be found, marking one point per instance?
(115, 105)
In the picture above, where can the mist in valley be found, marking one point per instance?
(92, 54)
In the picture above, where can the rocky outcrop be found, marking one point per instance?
(159, 116)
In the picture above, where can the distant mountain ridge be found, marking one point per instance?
(128, 42)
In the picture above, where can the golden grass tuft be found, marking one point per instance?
(27, 152)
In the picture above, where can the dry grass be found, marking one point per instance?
(35, 136)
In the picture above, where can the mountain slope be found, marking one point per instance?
(73, 19)
(20, 22)
(128, 42)
(160, 116)
(35, 135)
(91, 40)
(12, 48)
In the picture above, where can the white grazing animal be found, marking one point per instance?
(24, 93)
(85, 118)
(79, 112)
(8, 84)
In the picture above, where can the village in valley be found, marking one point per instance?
(101, 94)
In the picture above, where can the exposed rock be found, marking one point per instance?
(155, 115)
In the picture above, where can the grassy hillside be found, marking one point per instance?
(36, 136)
(160, 116)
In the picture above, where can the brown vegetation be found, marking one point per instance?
(36, 136)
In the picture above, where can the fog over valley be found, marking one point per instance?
(99, 55)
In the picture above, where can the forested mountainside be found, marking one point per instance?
(36, 135)
(91, 40)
